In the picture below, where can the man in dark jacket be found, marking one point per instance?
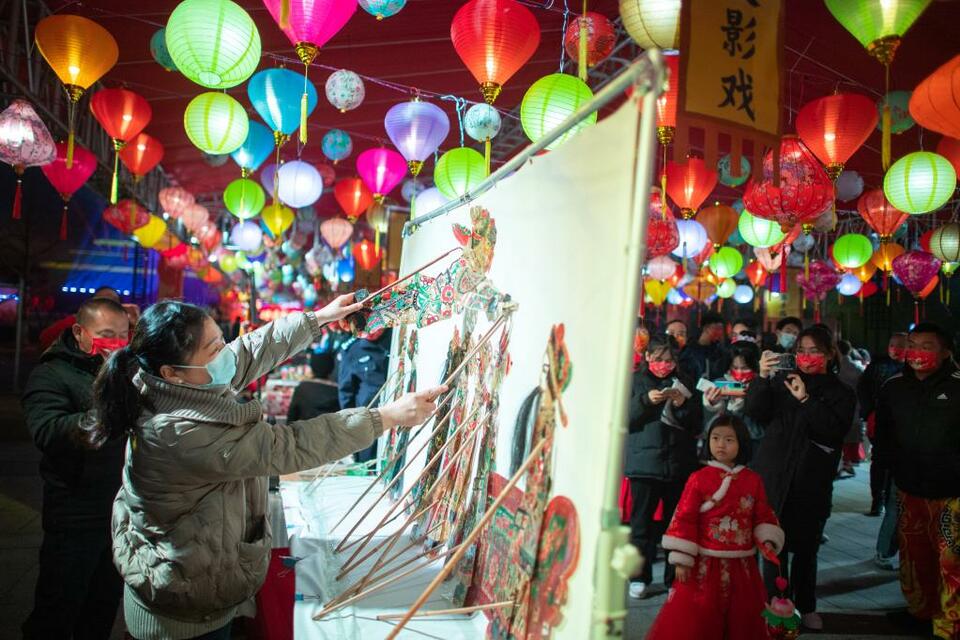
(666, 416)
(78, 589)
(706, 357)
(918, 433)
(363, 371)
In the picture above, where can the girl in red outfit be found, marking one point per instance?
(723, 514)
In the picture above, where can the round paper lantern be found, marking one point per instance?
(381, 170)
(934, 103)
(255, 149)
(726, 288)
(601, 37)
(429, 200)
(550, 101)
(277, 218)
(215, 122)
(458, 171)
(944, 242)
(849, 185)
(834, 127)
(382, 8)
(195, 217)
(345, 90)
(689, 183)
(337, 145)
(494, 38)
(949, 148)
(758, 232)
(661, 268)
(246, 236)
(353, 197)
(803, 243)
(877, 25)
(743, 294)
(175, 200)
(885, 254)
(158, 49)
(336, 232)
(852, 250)
(142, 154)
(756, 273)
(244, 198)
(299, 184)
(693, 238)
(920, 182)
(276, 95)
(366, 254)
(214, 43)
(411, 188)
(899, 103)
(482, 122)
(720, 221)
(849, 285)
(726, 262)
(725, 175)
(416, 129)
(652, 23)
(882, 216)
(149, 234)
(214, 159)
(126, 216)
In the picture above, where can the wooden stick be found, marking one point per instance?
(383, 387)
(372, 577)
(411, 274)
(470, 539)
(448, 612)
(333, 606)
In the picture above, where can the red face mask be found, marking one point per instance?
(922, 361)
(104, 346)
(743, 375)
(661, 369)
(812, 362)
(897, 353)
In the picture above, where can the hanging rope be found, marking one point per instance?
(563, 34)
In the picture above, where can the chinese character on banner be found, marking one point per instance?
(731, 78)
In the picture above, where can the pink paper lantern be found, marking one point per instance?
(309, 24)
(175, 200)
(336, 232)
(822, 279)
(769, 258)
(381, 170)
(195, 216)
(915, 269)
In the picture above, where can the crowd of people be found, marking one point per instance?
(776, 419)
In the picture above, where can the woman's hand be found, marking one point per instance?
(713, 395)
(338, 309)
(796, 387)
(411, 409)
(768, 362)
(682, 572)
(676, 398)
(656, 396)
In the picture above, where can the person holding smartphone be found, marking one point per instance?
(665, 420)
(719, 400)
(805, 414)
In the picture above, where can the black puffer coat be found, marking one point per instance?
(657, 450)
(802, 442)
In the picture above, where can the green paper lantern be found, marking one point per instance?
(550, 101)
(244, 198)
(727, 288)
(228, 263)
(158, 49)
(872, 21)
(920, 182)
(726, 262)
(216, 123)
(758, 232)
(852, 250)
(215, 43)
(458, 171)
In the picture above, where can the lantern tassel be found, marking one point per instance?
(941, 291)
(63, 223)
(582, 54)
(888, 292)
(18, 197)
(756, 299)
(376, 241)
(114, 185)
(303, 107)
(916, 311)
(284, 14)
(806, 265)
(643, 301)
(861, 302)
(885, 122)
(486, 154)
(783, 279)
(69, 159)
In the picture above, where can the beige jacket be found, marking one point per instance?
(190, 532)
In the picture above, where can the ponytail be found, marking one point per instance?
(115, 399)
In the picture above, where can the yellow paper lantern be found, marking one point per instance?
(150, 234)
(277, 218)
(657, 291)
(652, 23)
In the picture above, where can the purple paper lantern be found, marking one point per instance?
(381, 170)
(416, 128)
(267, 176)
(822, 279)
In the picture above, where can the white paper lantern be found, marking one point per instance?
(849, 186)
(743, 294)
(803, 243)
(693, 237)
(267, 174)
(246, 236)
(675, 297)
(661, 268)
(429, 200)
(410, 187)
(300, 184)
(482, 122)
(345, 90)
(849, 285)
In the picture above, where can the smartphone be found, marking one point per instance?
(730, 387)
(787, 362)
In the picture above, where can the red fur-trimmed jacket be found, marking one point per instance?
(723, 513)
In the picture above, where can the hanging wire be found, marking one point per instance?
(563, 34)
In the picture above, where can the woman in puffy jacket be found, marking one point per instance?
(665, 420)
(805, 415)
(190, 533)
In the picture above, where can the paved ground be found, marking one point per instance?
(854, 594)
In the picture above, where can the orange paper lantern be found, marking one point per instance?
(720, 221)
(935, 103)
(885, 254)
(865, 271)
(949, 148)
(834, 127)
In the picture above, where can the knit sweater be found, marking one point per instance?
(190, 533)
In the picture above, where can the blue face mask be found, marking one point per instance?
(222, 368)
(787, 340)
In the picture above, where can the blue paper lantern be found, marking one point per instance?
(255, 149)
(346, 269)
(276, 93)
(337, 145)
(158, 49)
(743, 294)
(725, 177)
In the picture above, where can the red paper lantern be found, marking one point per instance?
(667, 102)
(662, 234)
(601, 37)
(142, 154)
(834, 127)
(126, 216)
(494, 38)
(925, 240)
(756, 273)
(366, 254)
(123, 114)
(67, 180)
(883, 217)
(949, 148)
(689, 183)
(804, 192)
(353, 196)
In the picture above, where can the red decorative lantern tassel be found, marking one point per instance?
(17, 198)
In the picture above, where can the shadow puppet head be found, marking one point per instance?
(556, 561)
